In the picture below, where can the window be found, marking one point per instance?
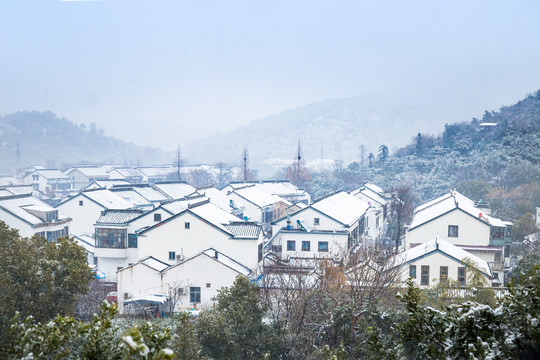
(444, 274)
(306, 245)
(172, 255)
(81, 203)
(425, 275)
(132, 240)
(452, 231)
(412, 271)
(35, 177)
(507, 251)
(462, 276)
(111, 238)
(157, 217)
(323, 246)
(195, 294)
(291, 245)
(208, 285)
(497, 232)
(316, 221)
(186, 225)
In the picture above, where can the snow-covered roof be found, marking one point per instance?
(442, 245)
(106, 183)
(177, 206)
(174, 190)
(217, 197)
(127, 172)
(92, 172)
(103, 197)
(52, 174)
(118, 217)
(22, 207)
(132, 196)
(156, 171)
(227, 261)
(150, 194)
(154, 263)
(86, 241)
(215, 215)
(342, 207)
(446, 203)
(242, 229)
(259, 197)
(9, 180)
(20, 189)
(372, 192)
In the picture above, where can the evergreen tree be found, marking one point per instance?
(370, 159)
(383, 153)
(419, 145)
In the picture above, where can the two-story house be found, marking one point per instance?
(86, 207)
(458, 219)
(49, 181)
(32, 216)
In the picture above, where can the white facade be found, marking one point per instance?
(194, 288)
(314, 244)
(86, 207)
(48, 181)
(438, 260)
(31, 216)
(186, 234)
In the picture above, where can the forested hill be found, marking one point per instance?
(498, 154)
(46, 139)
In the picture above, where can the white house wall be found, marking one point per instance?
(137, 281)
(434, 261)
(251, 210)
(471, 232)
(337, 244)
(25, 229)
(198, 272)
(308, 215)
(173, 236)
(83, 217)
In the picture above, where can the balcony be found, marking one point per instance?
(496, 266)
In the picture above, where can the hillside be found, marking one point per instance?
(47, 139)
(334, 127)
(483, 162)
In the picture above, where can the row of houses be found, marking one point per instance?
(171, 239)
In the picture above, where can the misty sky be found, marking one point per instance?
(163, 72)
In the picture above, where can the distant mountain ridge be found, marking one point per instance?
(335, 128)
(44, 138)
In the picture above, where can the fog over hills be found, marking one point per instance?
(331, 129)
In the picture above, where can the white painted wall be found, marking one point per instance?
(308, 215)
(25, 229)
(83, 217)
(337, 244)
(173, 236)
(109, 260)
(198, 272)
(251, 210)
(136, 281)
(472, 232)
(434, 261)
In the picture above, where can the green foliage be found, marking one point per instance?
(233, 328)
(185, 341)
(66, 338)
(39, 278)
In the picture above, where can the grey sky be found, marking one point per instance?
(162, 72)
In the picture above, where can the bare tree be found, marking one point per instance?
(402, 203)
(362, 150)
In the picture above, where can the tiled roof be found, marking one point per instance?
(118, 216)
(175, 190)
(244, 229)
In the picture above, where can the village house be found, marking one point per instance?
(438, 260)
(86, 207)
(258, 205)
(282, 188)
(49, 181)
(465, 225)
(83, 176)
(184, 284)
(338, 212)
(378, 200)
(31, 216)
(201, 226)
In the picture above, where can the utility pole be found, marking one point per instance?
(298, 162)
(244, 166)
(178, 164)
